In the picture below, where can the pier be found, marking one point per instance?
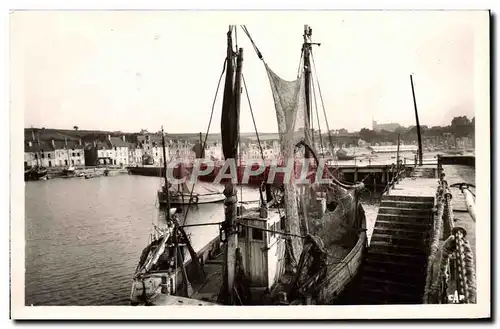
(422, 224)
(374, 176)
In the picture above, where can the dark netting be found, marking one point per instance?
(338, 228)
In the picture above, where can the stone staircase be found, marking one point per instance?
(425, 172)
(394, 268)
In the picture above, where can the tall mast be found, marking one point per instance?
(420, 155)
(165, 172)
(230, 136)
(306, 48)
(397, 155)
(67, 150)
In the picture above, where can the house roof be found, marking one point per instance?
(152, 137)
(48, 146)
(117, 142)
(36, 146)
(103, 145)
(132, 145)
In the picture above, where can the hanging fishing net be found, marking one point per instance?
(339, 226)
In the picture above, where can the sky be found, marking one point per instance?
(127, 71)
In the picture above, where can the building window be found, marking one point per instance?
(273, 229)
(65, 162)
(50, 163)
(36, 156)
(73, 162)
(43, 155)
(48, 155)
(73, 154)
(257, 234)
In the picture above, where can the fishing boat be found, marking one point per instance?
(304, 247)
(342, 155)
(38, 171)
(182, 194)
(35, 173)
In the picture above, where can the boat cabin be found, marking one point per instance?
(262, 249)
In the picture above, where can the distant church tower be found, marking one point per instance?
(374, 124)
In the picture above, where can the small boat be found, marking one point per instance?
(342, 155)
(182, 198)
(35, 173)
(184, 195)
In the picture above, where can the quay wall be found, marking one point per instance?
(467, 160)
(58, 172)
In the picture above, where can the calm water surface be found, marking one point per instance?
(84, 236)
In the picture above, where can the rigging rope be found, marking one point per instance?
(206, 136)
(244, 28)
(317, 118)
(322, 102)
(257, 135)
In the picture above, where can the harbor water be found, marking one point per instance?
(84, 236)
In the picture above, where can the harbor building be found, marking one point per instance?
(113, 151)
(53, 153)
(134, 154)
(385, 126)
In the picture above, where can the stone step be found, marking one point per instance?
(407, 288)
(396, 267)
(405, 218)
(409, 198)
(404, 259)
(400, 241)
(407, 204)
(373, 296)
(404, 211)
(410, 277)
(383, 246)
(417, 227)
(399, 233)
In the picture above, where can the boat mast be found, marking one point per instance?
(37, 153)
(230, 137)
(165, 172)
(420, 155)
(306, 48)
(67, 150)
(397, 156)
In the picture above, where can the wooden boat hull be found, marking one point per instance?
(339, 276)
(147, 289)
(183, 198)
(32, 175)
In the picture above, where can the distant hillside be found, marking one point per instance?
(91, 135)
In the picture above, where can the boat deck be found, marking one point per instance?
(209, 291)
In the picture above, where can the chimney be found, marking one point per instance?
(53, 144)
(30, 144)
(33, 133)
(109, 138)
(95, 144)
(123, 138)
(80, 141)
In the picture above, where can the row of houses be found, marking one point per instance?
(115, 151)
